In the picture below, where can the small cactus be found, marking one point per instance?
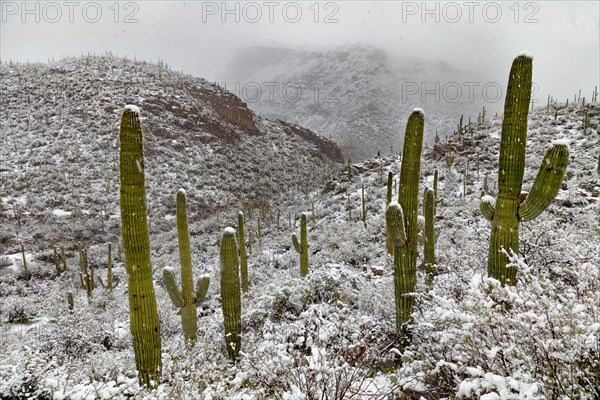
(70, 301)
(242, 247)
(301, 246)
(230, 293)
(364, 206)
(429, 235)
(187, 298)
(111, 282)
(86, 273)
(26, 274)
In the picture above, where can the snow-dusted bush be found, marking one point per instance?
(536, 340)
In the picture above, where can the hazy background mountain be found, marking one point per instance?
(358, 95)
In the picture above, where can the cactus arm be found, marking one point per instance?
(144, 322)
(173, 287)
(230, 292)
(296, 243)
(242, 250)
(394, 218)
(547, 183)
(202, 285)
(487, 205)
(388, 242)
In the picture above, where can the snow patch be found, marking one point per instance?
(525, 54)
(132, 108)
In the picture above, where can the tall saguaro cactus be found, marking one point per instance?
(508, 210)
(429, 235)
(230, 293)
(242, 247)
(302, 246)
(143, 312)
(187, 298)
(401, 219)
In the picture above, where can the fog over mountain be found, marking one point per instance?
(356, 94)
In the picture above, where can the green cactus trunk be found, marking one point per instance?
(189, 317)
(405, 257)
(507, 211)
(435, 191)
(388, 199)
(301, 246)
(243, 255)
(363, 205)
(230, 293)
(429, 235)
(144, 322)
(505, 225)
(26, 274)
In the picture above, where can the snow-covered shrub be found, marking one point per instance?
(536, 340)
(23, 383)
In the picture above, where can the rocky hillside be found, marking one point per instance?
(59, 126)
(357, 95)
(331, 334)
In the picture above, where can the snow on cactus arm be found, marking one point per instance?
(394, 218)
(487, 206)
(547, 182)
(202, 287)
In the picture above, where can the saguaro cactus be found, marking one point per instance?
(509, 209)
(302, 246)
(230, 293)
(242, 247)
(111, 283)
(401, 219)
(363, 206)
(26, 274)
(143, 313)
(388, 241)
(429, 235)
(187, 298)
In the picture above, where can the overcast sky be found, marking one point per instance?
(201, 37)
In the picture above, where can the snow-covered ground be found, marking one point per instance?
(332, 334)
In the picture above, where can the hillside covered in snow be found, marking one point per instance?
(329, 335)
(59, 128)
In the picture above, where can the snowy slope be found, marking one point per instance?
(60, 125)
(332, 335)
